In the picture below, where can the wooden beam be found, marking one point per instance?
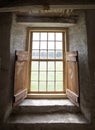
(49, 19)
(11, 3)
(40, 7)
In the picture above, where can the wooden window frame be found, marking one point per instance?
(29, 38)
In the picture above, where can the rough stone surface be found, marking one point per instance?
(56, 118)
(78, 42)
(5, 89)
(38, 106)
(90, 22)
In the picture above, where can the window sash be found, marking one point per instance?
(47, 60)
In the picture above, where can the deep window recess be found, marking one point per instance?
(46, 68)
(47, 62)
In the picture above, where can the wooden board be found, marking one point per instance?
(21, 76)
(72, 77)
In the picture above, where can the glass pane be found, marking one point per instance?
(59, 45)
(50, 66)
(51, 45)
(58, 54)
(59, 66)
(59, 36)
(50, 86)
(35, 45)
(35, 54)
(59, 86)
(42, 86)
(59, 76)
(34, 66)
(43, 45)
(44, 36)
(50, 36)
(34, 76)
(50, 76)
(43, 54)
(36, 36)
(42, 76)
(43, 66)
(50, 54)
(34, 86)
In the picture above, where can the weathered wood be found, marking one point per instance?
(73, 97)
(22, 55)
(21, 76)
(71, 56)
(54, 19)
(20, 97)
(10, 3)
(72, 77)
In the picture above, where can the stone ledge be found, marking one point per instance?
(55, 118)
(46, 106)
(46, 102)
(46, 111)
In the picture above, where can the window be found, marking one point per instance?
(49, 68)
(47, 62)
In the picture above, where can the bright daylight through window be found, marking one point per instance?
(47, 62)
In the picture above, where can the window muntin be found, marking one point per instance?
(47, 62)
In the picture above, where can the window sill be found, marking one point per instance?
(47, 96)
(46, 111)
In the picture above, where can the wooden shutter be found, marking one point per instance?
(72, 90)
(21, 76)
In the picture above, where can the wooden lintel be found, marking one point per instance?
(49, 19)
(29, 7)
(13, 3)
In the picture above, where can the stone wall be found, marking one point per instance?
(78, 42)
(18, 42)
(90, 22)
(5, 90)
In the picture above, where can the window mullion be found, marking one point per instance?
(47, 66)
(55, 62)
(39, 62)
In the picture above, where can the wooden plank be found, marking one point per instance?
(72, 82)
(54, 19)
(20, 97)
(36, 3)
(72, 77)
(73, 97)
(21, 76)
(71, 56)
(22, 55)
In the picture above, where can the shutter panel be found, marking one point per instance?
(72, 90)
(21, 76)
